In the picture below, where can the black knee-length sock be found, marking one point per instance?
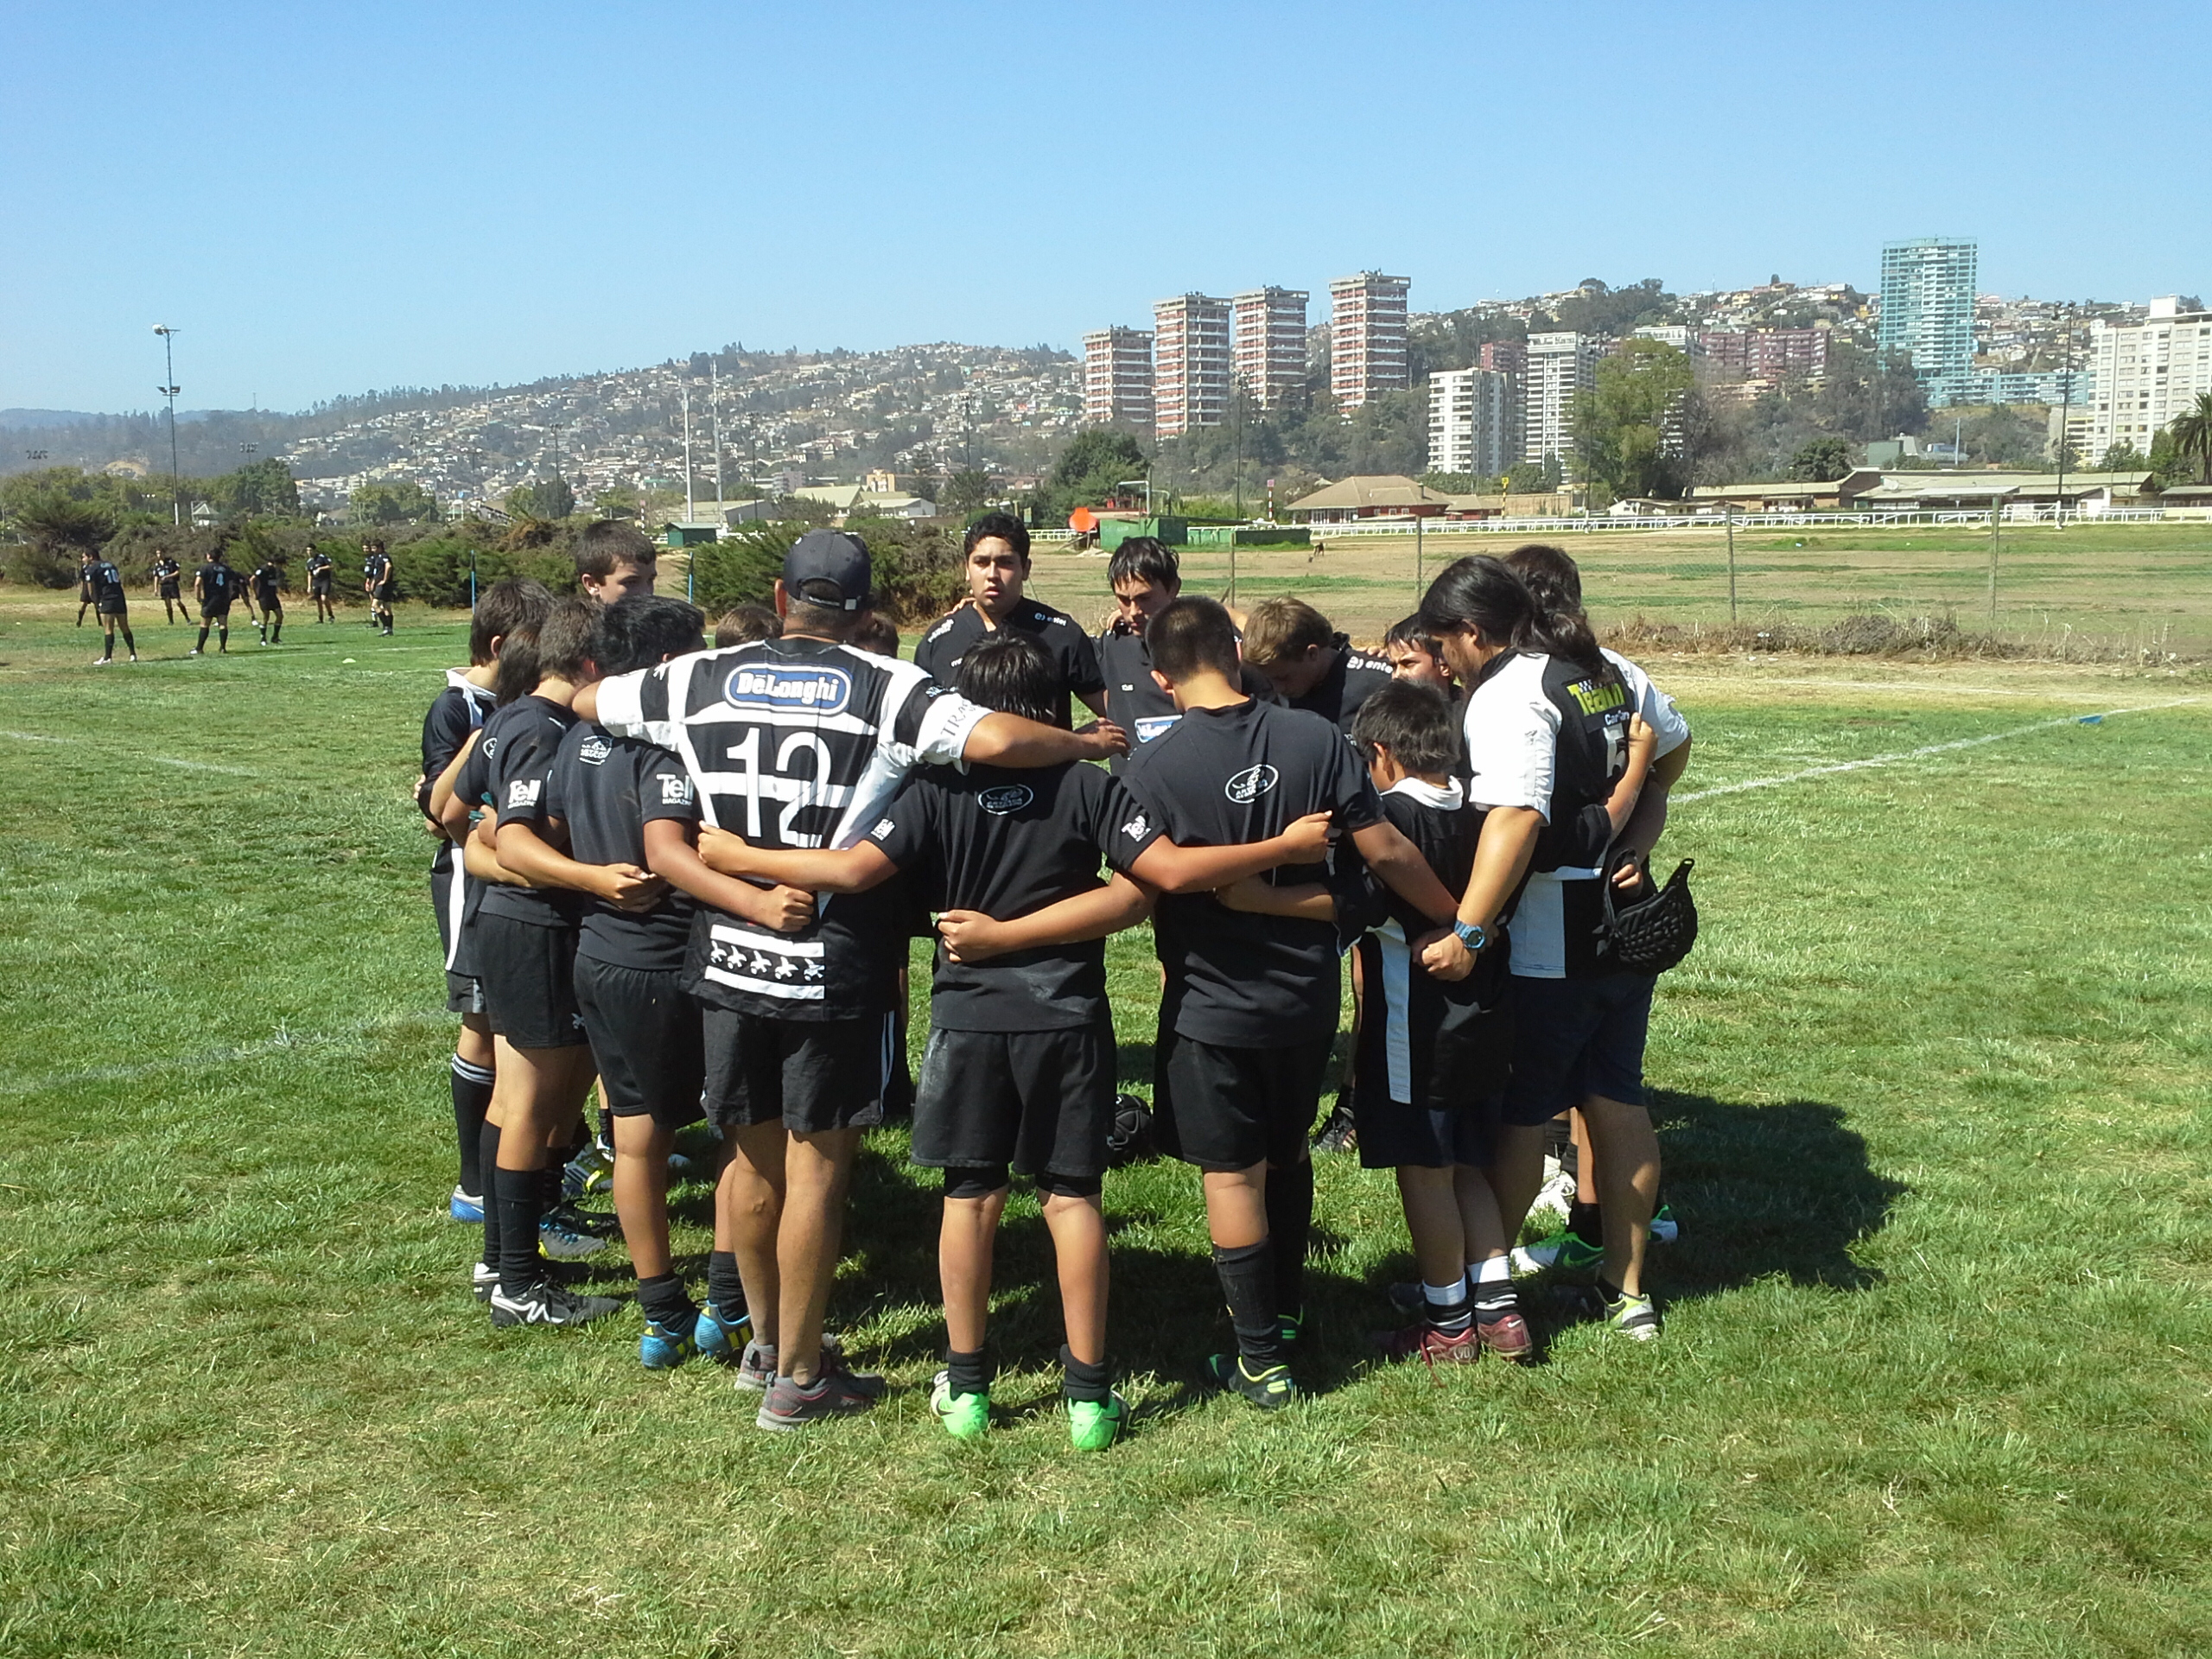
(1290, 1219)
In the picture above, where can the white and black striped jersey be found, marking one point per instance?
(794, 743)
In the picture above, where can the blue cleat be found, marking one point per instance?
(718, 1338)
(464, 1206)
(663, 1347)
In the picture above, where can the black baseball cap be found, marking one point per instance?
(824, 559)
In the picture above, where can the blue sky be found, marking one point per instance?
(325, 199)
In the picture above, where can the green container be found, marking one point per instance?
(687, 535)
(1226, 536)
(1172, 533)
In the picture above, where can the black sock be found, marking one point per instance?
(488, 1159)
(1082, 1382)
(665, 1300)
(1612, 1291)
(472, 1098)
(129, 643)
(1248, 1285)
(724, 1288)
(1290, 1219)
(202, 646)
(277, 632)
(519, 1193)
(968, 1373)
(1452, 1317)
(1586, 1222)
(1494, 1301)
(548, 1187)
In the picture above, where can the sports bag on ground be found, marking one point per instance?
(1652, 933)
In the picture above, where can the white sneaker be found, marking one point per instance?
(1556, 1195)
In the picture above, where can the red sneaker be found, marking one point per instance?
(1423, 1340)
(1507, 1338)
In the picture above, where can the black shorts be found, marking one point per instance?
(1038, 1100)
(1232, 1108)
(272, 606)
(1393, 1134)
(1575, 1037)
(221, 614)
(113, 608)
(810, 1076)
(170, 590)
(529, 974)
(319, 587)
(387, 593)
(646, 1039)
(464, 992)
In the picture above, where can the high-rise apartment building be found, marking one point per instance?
(2144, 375)
(1506, 356)
(1767, 354)
(1190, 363)
(1117, 377)
(1928, 303)
(1269, 345)
(1367, 337)
(1560, 365)
(1469, 424)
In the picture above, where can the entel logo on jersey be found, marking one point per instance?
(1250, 784)
(823, 690)
(675, 792)
(594, 751)
(1005, 798)
(522, 791)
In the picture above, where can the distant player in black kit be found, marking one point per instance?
(216, 587)
(168, 586)
(105, 582)
(1310, 665)
(378, 583)
(1019, 1073)
(85, 560)
(268, 596)
(1235, 787)
(321, 571)
(995, 562)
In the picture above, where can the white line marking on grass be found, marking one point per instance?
(157, 759)
(33, 737)
(1919, 754)
(277, 1043)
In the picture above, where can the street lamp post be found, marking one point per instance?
(169, 390)
(2065, 403)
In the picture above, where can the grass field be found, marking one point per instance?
(1937, 1376)
(2089, 589)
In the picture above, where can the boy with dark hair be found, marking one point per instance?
(379, 582)
(216, 586)
(269, 595)
(508, 608)
(86, 560)
(801, 742)
(995, 563)
(615, 559)
(1310, 665)
(1146, 581)
(168, 587)
(1234, 787)
(1019, 1074)
(320, 569)
(1414, 654)
(875, 636)
(105, 582)
(741, 625)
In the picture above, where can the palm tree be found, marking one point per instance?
(56, 521)
(2192, 435)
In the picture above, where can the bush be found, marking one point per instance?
(741, 568)
(435, 568)
(37, 565)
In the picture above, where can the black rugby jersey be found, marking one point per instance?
(168, 573)
(1006, 842)
(1351, 679)
(606, 789)
(105, 582)
(1225, 777)
(795, 742)
(453, 715)
(376, 569)
(1075, 665)
(518, 745)
(268, 584)
(1134, 699)
(219, 585)
(319, 567)
(1434, 1042)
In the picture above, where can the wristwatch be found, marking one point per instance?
(1473, 935)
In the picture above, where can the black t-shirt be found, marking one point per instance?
(1007, 842)
(105, 582)
(1225, 777)
(319, 567)
(1075, 665)
(268, 582)
(218, 586)
(518, 745)
(453, 715)
(1134, 699)
(377, 569)
(606, 789)
(167, 572)
(1351, 679)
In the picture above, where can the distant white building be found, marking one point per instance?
(1470, 421)
(1367, 337)
(1190, 363)
(1117, 377)
(1561, 363)
(2147, 373)
(1270, 345)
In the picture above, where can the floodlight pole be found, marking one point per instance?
(1996, 518)
(2065, 403)
(1728, 518)
(715, 421)
(169, 390)
(1418, 522)
(690, 511)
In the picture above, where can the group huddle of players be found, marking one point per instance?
(691, 873)
(216, 587)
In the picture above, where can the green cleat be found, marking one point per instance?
(1563, 1252)
(1270, 1390)
(1093, 1425)
(965, 1415)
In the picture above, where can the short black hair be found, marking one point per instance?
(564, 639)
(608, 541)
(507, 607)
(741, 625)
(1143, 558)
(1552, 576)
(1010, 672)
(644, 629)
(1004, 525)
(1410, 632)
(1191, 634)
(1413, 722)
